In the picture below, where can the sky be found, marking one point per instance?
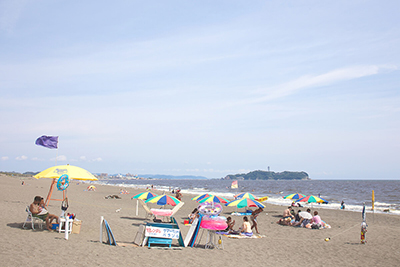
(206, 88)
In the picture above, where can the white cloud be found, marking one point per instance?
(310, 81)
(37, 159)
(4, 158)
(82, 157)
(97, 159)
(21, 158)
(61, 158)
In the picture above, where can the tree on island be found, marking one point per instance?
(268, 175)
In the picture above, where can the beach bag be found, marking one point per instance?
(64, 204)
(315, 226)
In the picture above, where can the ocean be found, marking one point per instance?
(353, 192)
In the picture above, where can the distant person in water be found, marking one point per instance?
(342, 206)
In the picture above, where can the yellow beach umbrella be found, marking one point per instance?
(73, 172)
(55, 172)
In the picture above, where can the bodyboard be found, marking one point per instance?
(111, 239)
(196, 232)
(191, 232)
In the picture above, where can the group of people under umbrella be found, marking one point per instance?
(303, 218)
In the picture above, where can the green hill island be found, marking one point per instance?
(268, 175)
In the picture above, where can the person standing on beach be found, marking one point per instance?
(253, 218)
(178, 194)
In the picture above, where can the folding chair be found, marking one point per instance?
(32, 220)
(149, 214)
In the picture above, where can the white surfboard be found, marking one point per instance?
(191, 232)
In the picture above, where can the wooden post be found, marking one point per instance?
(373, 200)
(53, 184)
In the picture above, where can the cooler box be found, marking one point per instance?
(76, 226)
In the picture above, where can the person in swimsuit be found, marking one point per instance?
(38, 210)
(246, 227)
(230, 224)
(253, 218)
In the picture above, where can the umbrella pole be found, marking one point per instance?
(137, 207)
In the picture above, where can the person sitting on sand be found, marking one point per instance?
(316, 221)
(38, 210)
(287, 213)
(303, 222)
(297, 217)
(193, 215)
(246, 227)
(230, 224)
(253, 218)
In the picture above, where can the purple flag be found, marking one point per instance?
(47, 141)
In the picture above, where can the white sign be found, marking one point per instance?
(162, 232)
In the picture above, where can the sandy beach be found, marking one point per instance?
(282, 245)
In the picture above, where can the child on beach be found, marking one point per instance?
(230, 224)
(254, 216)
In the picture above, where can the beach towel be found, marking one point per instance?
(244, 236)
(241, 213)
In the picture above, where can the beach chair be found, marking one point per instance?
(149, 214)
(32, 220)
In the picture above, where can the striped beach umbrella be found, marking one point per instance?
(245, 195)
(312, 199)
(144, 195)
(199, 197)
(294, 196)
(213, 199)
(162, 200)
(245, 202)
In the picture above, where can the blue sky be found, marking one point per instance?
(202, 87)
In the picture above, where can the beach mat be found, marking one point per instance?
(243, 236)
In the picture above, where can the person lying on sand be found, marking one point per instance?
(38, 210)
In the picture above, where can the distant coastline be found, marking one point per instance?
(269, 175)
(254, 175)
